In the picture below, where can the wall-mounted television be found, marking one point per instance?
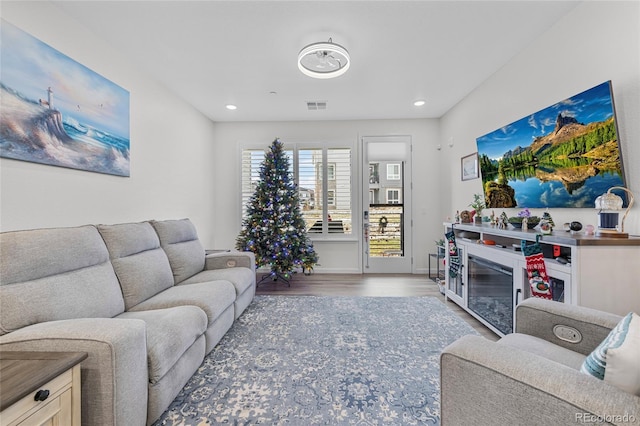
(565, 155)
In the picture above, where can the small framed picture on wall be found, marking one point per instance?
(469, 166)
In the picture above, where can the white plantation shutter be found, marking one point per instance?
(251, 160)
(310, 168)
(340, 159)
(310, 183)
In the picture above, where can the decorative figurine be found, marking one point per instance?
(465, 216)
(545, 226)
(547, 216)
(589, 230)
(504, 220)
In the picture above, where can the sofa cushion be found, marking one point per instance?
(241, 278)
(55, 274)
(616, 359)
(179, 240)
(544, 349)
(141, 265)
(170, 333)
(212, 297)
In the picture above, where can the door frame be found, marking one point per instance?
(402, 151)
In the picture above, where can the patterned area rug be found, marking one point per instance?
(324, 361)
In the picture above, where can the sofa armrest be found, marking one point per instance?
(484, 382)
(538, 317)
(230, 259)
(114, 375)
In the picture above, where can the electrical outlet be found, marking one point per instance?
(566, 333)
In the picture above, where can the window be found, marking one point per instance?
(331, 198)
(374, 177)
(393, 196)
(393, 171)
(331, 171)
(310, 166)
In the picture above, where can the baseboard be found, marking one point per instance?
(320, 270)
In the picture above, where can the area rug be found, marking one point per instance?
(306, 360)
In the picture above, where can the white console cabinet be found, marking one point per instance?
(601, 273)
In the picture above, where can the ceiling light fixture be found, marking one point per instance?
(324, 60)
(419, 103)
(231, 107)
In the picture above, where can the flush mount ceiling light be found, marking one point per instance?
(419, 103)
(324, 60)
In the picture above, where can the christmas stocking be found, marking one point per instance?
(454, 258)
(536, 270)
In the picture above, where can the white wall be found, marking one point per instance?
(185, 166)
(172, 146)
(596, 42)
(334, 256)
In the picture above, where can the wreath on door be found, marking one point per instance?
(382, 224)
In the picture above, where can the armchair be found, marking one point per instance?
(532, 377)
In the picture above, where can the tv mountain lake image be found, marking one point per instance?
(563, 156)
(56, 111)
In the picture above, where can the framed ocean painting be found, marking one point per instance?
(58, 112)
(565, 155)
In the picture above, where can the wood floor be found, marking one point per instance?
(375, 285)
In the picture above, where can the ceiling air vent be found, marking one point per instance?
(316, 105)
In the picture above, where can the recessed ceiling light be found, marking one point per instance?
(231, 107)
(419, 103)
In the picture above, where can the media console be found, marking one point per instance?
(596, 272)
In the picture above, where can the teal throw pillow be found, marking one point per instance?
(615, 360)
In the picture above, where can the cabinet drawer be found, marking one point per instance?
(56, 412)
(27, 406)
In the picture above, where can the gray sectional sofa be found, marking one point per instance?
(142, 299)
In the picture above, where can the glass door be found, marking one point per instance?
(387, 204)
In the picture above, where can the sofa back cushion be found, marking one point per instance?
(55, 274)
(141, 265)
(179, 240)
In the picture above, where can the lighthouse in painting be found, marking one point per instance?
(49, 101)
(50, 97)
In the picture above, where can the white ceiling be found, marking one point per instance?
(213, 53)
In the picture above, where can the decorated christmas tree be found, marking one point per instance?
(274, 229)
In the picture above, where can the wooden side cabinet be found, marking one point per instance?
(40, 388)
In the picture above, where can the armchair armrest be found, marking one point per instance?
(537, 317)
(484, 382)
(114, 375)
(230, 259)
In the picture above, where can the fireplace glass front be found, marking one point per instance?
(490, 287)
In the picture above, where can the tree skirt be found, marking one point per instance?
(306, 360)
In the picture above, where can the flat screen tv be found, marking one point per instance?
(565, 155)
